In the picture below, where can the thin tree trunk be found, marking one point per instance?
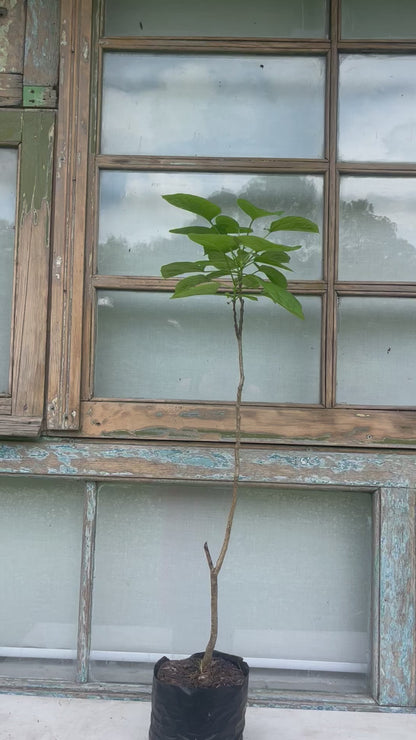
(238, 316)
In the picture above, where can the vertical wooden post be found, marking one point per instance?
(397, 597)
(67, 275)
(29, 354)
(86, 586)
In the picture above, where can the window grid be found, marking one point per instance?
(336, 424)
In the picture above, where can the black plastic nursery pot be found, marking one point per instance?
(180, 713)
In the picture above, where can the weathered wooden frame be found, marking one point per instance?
(71, 404)
(33, 132)
(390, 477)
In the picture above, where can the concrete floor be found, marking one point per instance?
(44, 718)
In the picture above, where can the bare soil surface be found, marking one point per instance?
(187, 673)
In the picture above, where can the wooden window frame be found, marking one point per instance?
(71, 405)
(31, 132)
(390, 478)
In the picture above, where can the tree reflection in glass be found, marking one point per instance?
(134, 220)
(377, 235)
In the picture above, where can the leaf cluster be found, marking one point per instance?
(237, 262)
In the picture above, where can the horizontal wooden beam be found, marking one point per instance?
(189, 44)
(339, 427)
(211, 164)
(207, 463)
(19, 426)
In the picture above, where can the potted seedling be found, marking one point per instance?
(204, 697)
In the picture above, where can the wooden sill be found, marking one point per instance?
(339, 427)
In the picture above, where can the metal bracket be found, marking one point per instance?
(39, 96)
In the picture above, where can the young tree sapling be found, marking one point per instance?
(238, 265)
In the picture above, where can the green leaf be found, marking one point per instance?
(251, 281)
(294, 223)
(219, 242)
(178, 268)
(204, 289)
(275, 276)
(218, 274)
(194, 204)
(227, 225)
(190, 281)
(191, 230)
(283, 297)
(218, 259)
(273, 257)
(253, 211)
(249, 296)
(260, 243)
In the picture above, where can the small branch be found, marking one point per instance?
(208, 556)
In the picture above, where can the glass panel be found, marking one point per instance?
(134, 220)
(295, 589)
(267, 18)
(8, 179)
(377, 229)
(153, 348)
(377, 351)
(213, 105)
(377, 115)
(40, 552)
(378, 19)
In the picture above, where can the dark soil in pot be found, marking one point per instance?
(188, 705)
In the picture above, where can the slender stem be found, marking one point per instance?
(238, 316)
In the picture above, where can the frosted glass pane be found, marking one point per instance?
(378, 19)
(213, 105)
(377, 229)
(376, 362)
(150, 347)
(377, 108)
(267, 18)
(134, 220)
(40, 552)
(296, 583)
(8, 178)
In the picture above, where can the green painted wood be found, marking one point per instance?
(31, 295)
(37, 161)
(397, 598)
(11, 127)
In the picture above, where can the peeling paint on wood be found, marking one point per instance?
(397, 598)
(12, 30)
(208, 463)
(42, 44)
(87, 572)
